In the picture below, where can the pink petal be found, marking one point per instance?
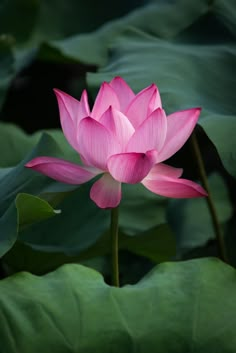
(62, 170)
(83, 110)
(118, 124)
(138, 109)
(96, 143)
(106, 192)
(150, 134)
(131, 168)
(68, 108)
(123, 91)
(171, 186)
(179, 127)
(161, 170)
(106, 97)
(155, 101)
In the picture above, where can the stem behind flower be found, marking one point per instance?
(215, 221)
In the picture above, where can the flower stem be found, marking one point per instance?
(114, 246)
(215, 221)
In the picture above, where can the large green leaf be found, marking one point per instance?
(179, 307)
(162, 19)
(179, 69)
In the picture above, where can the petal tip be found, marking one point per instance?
(120, 79)
(197, 110)
(58, 92)
(32, 163)
(202, 192)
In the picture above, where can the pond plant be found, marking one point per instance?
(117, 221)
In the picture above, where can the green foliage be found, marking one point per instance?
(191, 221)
(31, 209)
(156, 244)
(173, 309)
(43, 20)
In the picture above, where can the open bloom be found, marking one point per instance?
(125, 138)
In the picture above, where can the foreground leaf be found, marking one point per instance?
(191, 302)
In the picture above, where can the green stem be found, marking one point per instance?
(219, 236)
(114, 246)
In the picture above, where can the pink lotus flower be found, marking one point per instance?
(125, 137)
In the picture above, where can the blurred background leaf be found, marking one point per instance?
(156, 244)
(190, 219)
